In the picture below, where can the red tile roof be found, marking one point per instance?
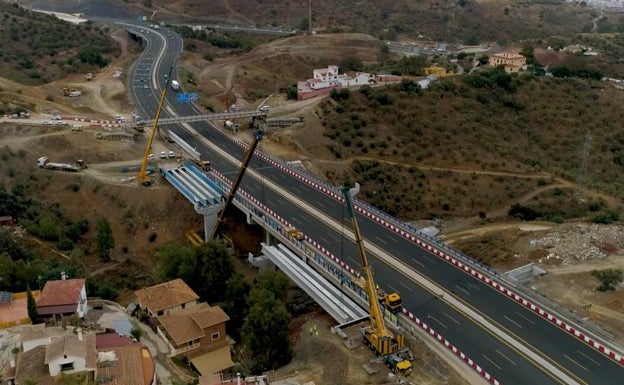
(62, 292)
(112, 340)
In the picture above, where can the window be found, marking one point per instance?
(214, 336)
(67, 366)
(183, 305)
(160, 312)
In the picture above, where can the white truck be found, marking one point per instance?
(175, 85)
(44, 162)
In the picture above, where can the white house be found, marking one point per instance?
(72, 353)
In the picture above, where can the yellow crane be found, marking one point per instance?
(257, 137)
(376, 337)
(143, 177)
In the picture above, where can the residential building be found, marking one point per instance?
(62, 298)
(513, 62)
(50, 353)
(198, 333)
(160, 299)
(326, 79)
(121, 360)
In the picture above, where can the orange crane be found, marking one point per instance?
(376, 336)
(257, 137)
(143, 177)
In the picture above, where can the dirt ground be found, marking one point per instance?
(135, 213)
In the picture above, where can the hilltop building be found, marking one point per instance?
(513, 62)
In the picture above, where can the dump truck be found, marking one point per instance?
(44, 162)
(293, 232)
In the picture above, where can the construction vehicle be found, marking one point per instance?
(376, 336)
(44, 162)
(257, 137)
(204, 165)
(89, 76)
(143, 176)
(71, 92)
(293, 232)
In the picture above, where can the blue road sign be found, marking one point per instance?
(186, 98)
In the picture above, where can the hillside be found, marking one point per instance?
(38, 48)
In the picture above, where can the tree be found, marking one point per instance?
(236, 303)
(31, 306)
(609, 278)
(266, 331)
(351, 63)
(216, 269)
(105, 240)
(136, 334)
(383, 54)
(274, 282)
(410, 86)
(175, 261)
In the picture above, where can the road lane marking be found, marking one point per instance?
(462, 289)
(405, 286)
(295, 189)
(513, 322)
(334, 236)
(588, 357)
(380, 240)
(505, 357)
(320, 204)
(526, 319)
(297, 221)
(579, 365)
(322, 238)
(438, 321)
(418, 262)
(451, 318)
(491, 362)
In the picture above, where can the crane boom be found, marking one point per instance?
(142, 177)
(377, 337)
(376, 317)
(258, 136)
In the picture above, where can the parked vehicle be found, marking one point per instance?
(163, 155)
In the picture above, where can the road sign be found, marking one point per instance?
(186, 98)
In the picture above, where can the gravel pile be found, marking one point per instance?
(581, 242)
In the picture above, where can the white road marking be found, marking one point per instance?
(462, 289)
(579, 365)
(438, 321)
(589, 358)
(525, 318)
(491, 362)
(513, 322)
(451, 318)
(418, 262)
(405, 286)
(507, 358)
(381, 240)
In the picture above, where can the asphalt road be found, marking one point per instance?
(502, 361)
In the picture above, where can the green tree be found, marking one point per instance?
(274, 282)
(216, 268)
(31, 306)
(175, 260)
(413, 65)
(410, 86)
(609, 278)
(236, 303)
(266, 331)
(105, 240)
(136, 334)
(350, 63)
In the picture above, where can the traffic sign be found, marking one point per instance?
(186, 98)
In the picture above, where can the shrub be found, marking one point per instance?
(152, 237)
(609, 278)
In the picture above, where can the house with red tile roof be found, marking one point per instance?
(160, 299)
(63, 298)
(123, 361)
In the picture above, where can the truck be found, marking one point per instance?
(204, 165)
(175, 85)
(230, 125)
(391, 301)
(398, 364)
(44, 162)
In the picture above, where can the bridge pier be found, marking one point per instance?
(210, 219)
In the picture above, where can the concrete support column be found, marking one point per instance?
(210, 219)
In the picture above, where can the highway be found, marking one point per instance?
(507, 364)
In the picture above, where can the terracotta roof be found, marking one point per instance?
(165, 295)
(71, 345)
(187, 324)
(113, 340)
(62, 292)
(31, 364)
(132, 365)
